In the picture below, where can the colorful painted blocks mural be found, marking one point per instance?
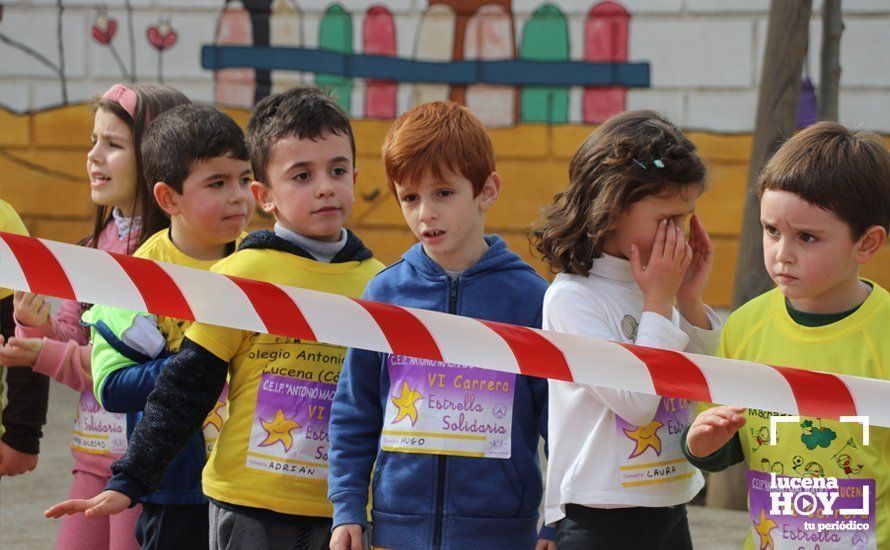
(540, 74)
(465, 51)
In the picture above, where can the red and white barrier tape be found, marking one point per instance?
(95, 276)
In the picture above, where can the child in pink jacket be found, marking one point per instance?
(99, 437)
(57, 345)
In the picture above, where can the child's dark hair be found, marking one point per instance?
(846, 173)
(184, 135)
(633, 155)
(151, 101)
(302, 112)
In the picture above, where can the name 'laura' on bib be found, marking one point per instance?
(651, 455)
(447, 409)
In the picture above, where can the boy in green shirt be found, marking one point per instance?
(825, 210)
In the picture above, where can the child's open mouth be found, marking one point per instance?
(433, 235)
(97, 180)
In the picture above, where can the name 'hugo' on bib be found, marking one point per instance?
(447, 409)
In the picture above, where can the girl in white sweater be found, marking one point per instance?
(627, 272)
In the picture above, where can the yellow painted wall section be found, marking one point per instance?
(43, 159)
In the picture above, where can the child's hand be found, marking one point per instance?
(106, 503)
(661, 277)
(20, 352)
(31, 310)
(347, 537)
(544, 544)
(13, 463)
(693, 286)
(714, 428)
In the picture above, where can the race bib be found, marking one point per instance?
(811, 513)
(446, 409)
(289, 435)
(651, 454)
(98, 431)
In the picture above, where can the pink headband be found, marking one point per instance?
(123, 96)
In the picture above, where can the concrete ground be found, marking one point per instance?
(24, 498)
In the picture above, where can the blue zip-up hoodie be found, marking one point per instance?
(427, 501)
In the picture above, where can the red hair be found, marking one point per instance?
(437, 138)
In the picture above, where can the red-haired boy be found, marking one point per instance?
(455, 447)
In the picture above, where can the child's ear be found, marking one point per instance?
(490, 191)
(263, 195)
(354, 184)
(167, 198)
(870, 243)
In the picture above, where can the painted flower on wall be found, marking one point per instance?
(162, 36)
(104, 29)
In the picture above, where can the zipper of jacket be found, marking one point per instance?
(440, 487)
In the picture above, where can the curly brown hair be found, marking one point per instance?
(631, 156)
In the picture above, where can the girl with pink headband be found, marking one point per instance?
(57, 345)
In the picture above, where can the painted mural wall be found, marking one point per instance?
(540, 74)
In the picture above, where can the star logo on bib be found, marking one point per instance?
(279, 431)
(406, 404)
(645, 437)
(763, 528)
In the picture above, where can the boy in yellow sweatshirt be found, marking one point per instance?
(267, 476)
(825, 210)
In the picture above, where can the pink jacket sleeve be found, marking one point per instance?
(64, 325)
(66, 362)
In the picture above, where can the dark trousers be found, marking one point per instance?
(632, 528)
(237, 530)
(161, 527)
